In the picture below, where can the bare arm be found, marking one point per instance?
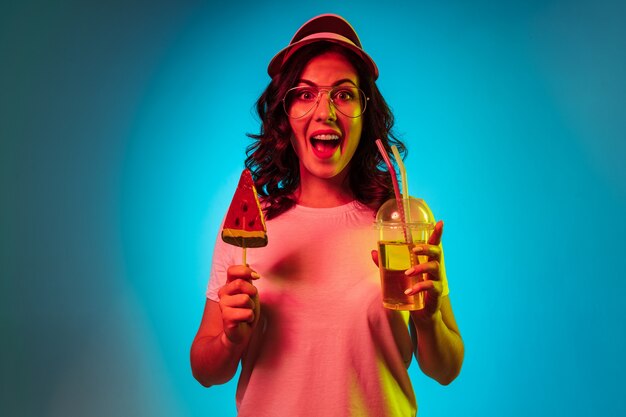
(439, 349)
(225, 329)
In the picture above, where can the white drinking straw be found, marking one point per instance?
(405, 184)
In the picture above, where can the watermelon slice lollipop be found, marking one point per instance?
(244, 225)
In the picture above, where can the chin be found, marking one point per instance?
(326, 173)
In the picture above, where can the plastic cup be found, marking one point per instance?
(396, 239)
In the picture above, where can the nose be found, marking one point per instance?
(325, 109)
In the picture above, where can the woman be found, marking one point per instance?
(305, 316)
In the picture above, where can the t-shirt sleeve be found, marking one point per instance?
(223, 257)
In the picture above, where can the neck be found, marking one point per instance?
(323, 192)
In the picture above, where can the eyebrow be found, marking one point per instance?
(336, 83)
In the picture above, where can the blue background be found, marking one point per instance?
(122, 127)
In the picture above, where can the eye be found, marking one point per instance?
(344, 94)
(306, 94)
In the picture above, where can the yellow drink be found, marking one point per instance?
(394, 259)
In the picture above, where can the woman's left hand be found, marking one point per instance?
(433, 271)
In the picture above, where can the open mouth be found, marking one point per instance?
(325, 145)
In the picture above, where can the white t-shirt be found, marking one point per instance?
(324, 346)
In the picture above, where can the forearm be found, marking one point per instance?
(439, 350)
(214, 359)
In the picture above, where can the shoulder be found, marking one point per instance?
(367, 208)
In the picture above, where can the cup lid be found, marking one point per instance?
(419, 213)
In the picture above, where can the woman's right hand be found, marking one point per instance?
(239, 303)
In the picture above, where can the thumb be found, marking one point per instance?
(435, 238)
(375, 257)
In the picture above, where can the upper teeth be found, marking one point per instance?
(326, 137)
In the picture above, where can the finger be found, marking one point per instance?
(375, 257)
(428, 285)
(237, 301)
(240, 272)
(233, 316)
(432, 251)
(238, 286)
(431, 268)
(435, 237)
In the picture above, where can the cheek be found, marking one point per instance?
(356, 129)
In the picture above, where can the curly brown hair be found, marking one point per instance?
(274, 163)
